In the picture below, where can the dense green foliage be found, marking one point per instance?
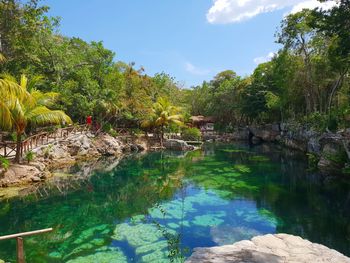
(85, 75)
(307, 80)
(191, 134)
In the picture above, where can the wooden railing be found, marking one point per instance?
(8, 149)
(20, 244)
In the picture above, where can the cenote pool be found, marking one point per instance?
(157, 207)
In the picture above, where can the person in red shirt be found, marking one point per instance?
(89, 120)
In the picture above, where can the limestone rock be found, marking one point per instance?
(108, 145)
(332, 154)
(278, 248)
(20, 173)
(177, 145)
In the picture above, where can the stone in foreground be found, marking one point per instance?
(278, 248)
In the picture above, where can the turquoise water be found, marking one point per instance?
(157, 207)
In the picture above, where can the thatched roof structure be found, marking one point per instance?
(202, 119)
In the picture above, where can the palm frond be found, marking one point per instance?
(41, 115)
(146, 123)
(23, 82)
(2, 58)
(9, 88)
(44, 99)
(34, 82)
(8, 77)
(6, 121)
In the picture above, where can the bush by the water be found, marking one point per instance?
(4, 163)
(191, 134)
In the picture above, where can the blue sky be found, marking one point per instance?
(192, 40)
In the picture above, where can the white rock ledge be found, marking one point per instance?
(278, 248)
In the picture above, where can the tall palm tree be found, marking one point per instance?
(164, 114)
(22, 104)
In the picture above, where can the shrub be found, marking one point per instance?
(313, 160)
(191, 134)
(113, 133)
(29, 156)
(107, 127)
(4, 163)
(47, 151)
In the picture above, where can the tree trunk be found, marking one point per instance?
(18, 148)
(334, 88)
(161, 135)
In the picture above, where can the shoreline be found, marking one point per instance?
(77, 149)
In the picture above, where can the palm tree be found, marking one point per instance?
(2, 58)
(22, 105)
(164, 114)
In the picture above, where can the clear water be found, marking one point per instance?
(159, 206)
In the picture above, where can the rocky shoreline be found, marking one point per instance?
(278, 248)
(65, 153)
(329, 152)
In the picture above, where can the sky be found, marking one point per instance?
(192, 40)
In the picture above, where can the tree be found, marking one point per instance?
(163, 115)
(23, 105)
(335, 24)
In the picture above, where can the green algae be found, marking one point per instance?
(213, 219)
(151, 247)
(112, 256)
(175, 209)
(157, 256)
(208, 198)
(173, 225)
(259, 158)
(137, 235)
(242, 168)
(138, 219)
(234, 151)
(89, 233)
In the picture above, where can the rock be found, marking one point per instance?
(140, 147)
(177, 145)
(35, 179)
(278, 248)
(39, 165)
(76, 148)
(333, 155)
(225, 234)
(256, 140)
(108, 145)
(267, 133)
(314, 146)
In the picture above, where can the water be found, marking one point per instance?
(159, 206)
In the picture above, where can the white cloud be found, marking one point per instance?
(312, 4)
(234, 11)
(264, 59)
(195, 70)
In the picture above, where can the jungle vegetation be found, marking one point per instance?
(307, 80)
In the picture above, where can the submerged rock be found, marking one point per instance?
(278, 248)
(225, 235)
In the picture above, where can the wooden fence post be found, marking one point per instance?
(20, 250)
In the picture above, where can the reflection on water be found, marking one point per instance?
(158, 207)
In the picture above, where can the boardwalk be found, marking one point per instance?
(8, 148)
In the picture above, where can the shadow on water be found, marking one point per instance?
(160, 206)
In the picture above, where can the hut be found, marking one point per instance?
(204, 124)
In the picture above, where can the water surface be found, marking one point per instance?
(159, 206)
